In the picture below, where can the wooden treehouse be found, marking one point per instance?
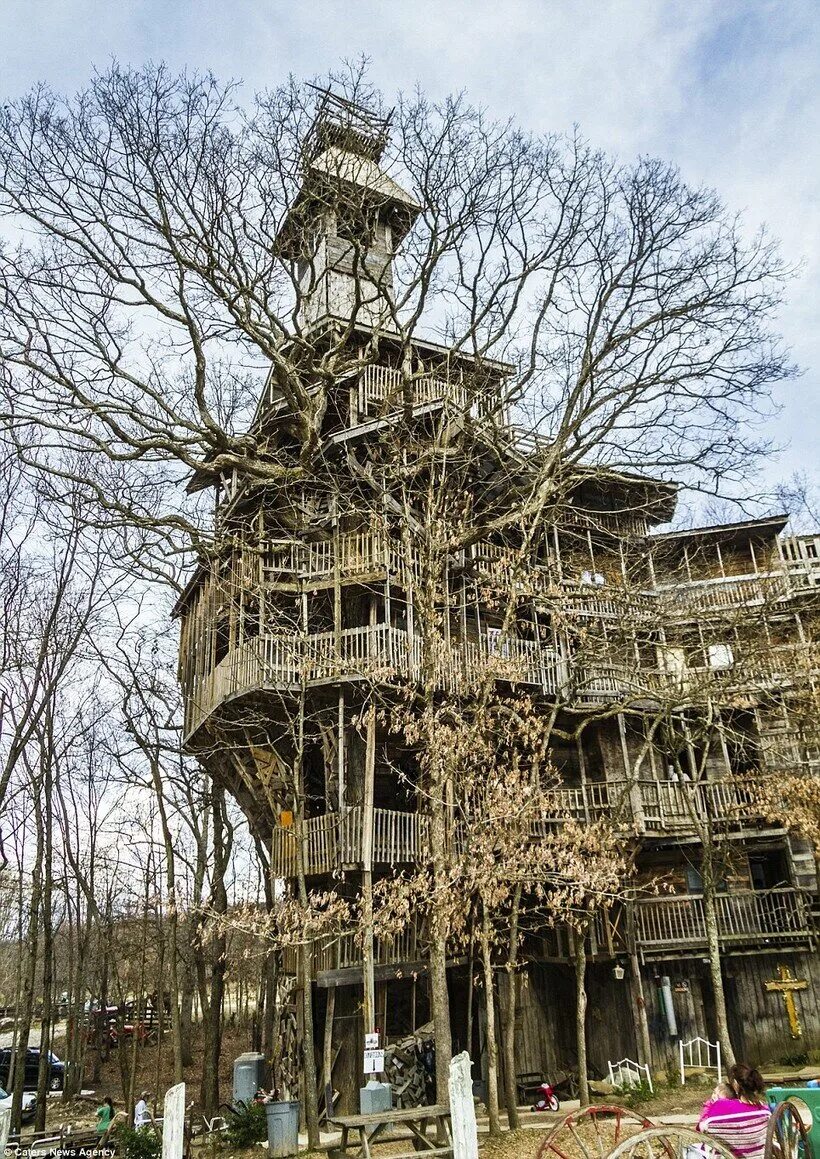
(310, 602)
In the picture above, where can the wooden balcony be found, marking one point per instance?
(379, 652)
(335, 841)
(769, 667)
(675, 807)
(338, 960)
(380, 391)
(604, 939)
(584, 803)
(746, 919)
(597, 683)
(688, 600)
(353, 555)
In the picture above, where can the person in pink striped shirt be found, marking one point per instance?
(737, 1113)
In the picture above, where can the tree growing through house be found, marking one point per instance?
(169, 269)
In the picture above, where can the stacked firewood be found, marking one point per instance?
(405, 1070)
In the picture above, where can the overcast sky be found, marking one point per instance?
(727, 89)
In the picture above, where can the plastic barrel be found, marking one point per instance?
(283, 1128)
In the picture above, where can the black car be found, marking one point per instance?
(56, 1078)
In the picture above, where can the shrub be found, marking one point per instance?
(141, 1144)
(635, 1094)
(247, 1125)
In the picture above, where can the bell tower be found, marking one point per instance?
(348, 220)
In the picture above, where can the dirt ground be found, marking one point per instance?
(154, 1074)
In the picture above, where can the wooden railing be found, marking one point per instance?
(721, 593)
(354, 553)
(378, 652)
(618, 523)
(381, 390)
(673, 805)
(583, 803)
(335, 840)
(343, 951)
(596, 683)
(775, 915)
(605, 937)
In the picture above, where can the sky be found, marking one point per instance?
(729, 90)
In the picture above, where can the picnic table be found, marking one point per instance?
(370, 1128)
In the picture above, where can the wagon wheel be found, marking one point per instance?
(671, 1143)
(787, 1134)
(594, 1131)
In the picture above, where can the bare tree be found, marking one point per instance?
(171, 274)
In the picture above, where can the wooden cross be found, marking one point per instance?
(786, 985)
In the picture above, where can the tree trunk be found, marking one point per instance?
(308, 1055)
(440, 1000)
(581, 1015)
(214, 996)
(139, 1011)
(508, 1033)
(489, 1009)
(44, 1070)
(716, 974)
(26, 1008)
(640, 1019)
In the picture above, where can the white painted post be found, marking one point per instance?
(462, 1108)
(682, 1071)
(718, 1059)
(173, 1123)
(5, 1127)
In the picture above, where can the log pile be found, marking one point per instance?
(405, 1071)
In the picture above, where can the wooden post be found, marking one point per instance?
(369, 1008)
(638, 1001)
(462, 1108)
(327, 1048)
(5, 1126)
(173, 1123)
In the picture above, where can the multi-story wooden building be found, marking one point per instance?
(702, 640)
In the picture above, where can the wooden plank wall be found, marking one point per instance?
(757, 1019)
(765, 1028)
(544, 1022)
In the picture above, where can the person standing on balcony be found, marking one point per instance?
(737, 1113)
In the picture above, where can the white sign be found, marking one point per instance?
(173, 1123)
(373, 1061)
(371, 1041)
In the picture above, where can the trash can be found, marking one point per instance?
(808, 1107)
(248, 1076)
(283, 1128)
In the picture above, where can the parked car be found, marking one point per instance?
(29, 1104)
(56, 1078)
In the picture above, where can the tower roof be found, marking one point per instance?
(341, 156)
